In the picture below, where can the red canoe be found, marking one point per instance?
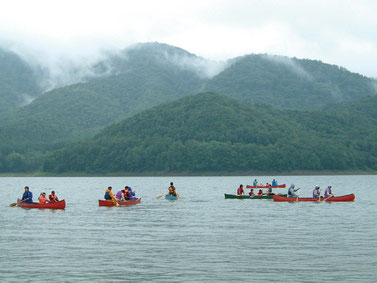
(111, 203)
(51, 205)
(264, 186)
(350, 197)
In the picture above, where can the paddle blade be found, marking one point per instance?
(13, 204)
(158, 197)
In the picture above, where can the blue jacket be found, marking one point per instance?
(27, 195)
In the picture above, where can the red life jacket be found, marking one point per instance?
(260, 193)
(239, 191)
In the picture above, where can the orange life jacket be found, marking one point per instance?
(52, 198)
(42, 199)
(260, 193)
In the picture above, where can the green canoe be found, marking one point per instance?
(251, 197)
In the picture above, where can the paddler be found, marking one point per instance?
(269, 190)
(274, 183)
(251, 193)
(52, 197)
(42, 198)
(292, 191)
(172, 190)
(120, 195)
(129, 194)
(109, 196)
(260, 193)
(317, 192)
(328, 192)
(240, 190)
(255, 183)
(27, 196)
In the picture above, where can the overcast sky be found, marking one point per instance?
(336, 32)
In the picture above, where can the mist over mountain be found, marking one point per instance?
(18, 82)
(125, 82)
(290, 83)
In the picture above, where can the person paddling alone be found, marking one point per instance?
(53, 197)
(240, 190)
(27, 196)
(172, 190)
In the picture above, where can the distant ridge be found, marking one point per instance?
(209, 132)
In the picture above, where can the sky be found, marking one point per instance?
(340, 32)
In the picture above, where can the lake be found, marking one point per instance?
(200, 238)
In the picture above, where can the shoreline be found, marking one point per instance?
(192, 174)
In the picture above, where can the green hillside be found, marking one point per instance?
(211, 132)
(139, 81)
(290, 83)
(18, 84)
(150, 74)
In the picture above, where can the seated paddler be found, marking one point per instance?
(109, 195)
(292, 191)
(328, 192)
(129, 194)
(172, 190)
(27, 196)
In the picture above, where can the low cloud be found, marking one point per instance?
(291, 64)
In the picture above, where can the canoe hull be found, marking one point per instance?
(230, 196)
(346, 198)
(171, 197)
(49, 205)
(102, 202)
(265, 187)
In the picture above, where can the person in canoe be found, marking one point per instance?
(274, 183)
(251, 193)
(129, 194)
(120, 195)
(260, 193)
(317, 192)
(255, 183)
(27, 196)
(110, 196)
(172, 190)
(292, 191)
(328, 192)
(42, 198)
(53, 197)
(240, 190)
(269, 190)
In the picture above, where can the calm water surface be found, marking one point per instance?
(200, 238)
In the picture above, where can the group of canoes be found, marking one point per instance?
(291, 195)
(125, 196)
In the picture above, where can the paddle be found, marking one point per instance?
(15, 203)
(331, 195)
(319, 198)
(298, 194)
(179, 196)
(158, 197)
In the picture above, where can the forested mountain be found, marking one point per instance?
(18, 83)
(149, 74)
(290, 83)
(211, 132)
(138, 80)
